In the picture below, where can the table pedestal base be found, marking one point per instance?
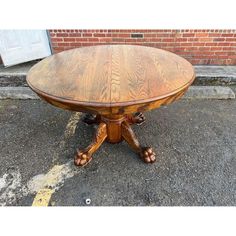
(114, 129)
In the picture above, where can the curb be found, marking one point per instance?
(209, 92)
(194, 92)
(17, 93)
(15, 75)
(215, 75)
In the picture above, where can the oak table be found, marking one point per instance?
(115, 83)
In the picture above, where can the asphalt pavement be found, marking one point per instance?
(194, 140)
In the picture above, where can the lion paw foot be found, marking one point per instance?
(139, 118)
(148, 155)
(82, 159)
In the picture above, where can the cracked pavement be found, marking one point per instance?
(194, 141)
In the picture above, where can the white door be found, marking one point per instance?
(18, 46)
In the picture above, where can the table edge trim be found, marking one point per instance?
(113, 104)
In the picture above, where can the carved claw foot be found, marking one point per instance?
(82, 158)
(138, 118)
(90, 119)
(148, 155)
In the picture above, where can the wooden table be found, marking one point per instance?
(115, 83)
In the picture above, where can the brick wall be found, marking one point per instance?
(215, 47)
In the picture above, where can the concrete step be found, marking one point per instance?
(205, 75)
(215, 75)
(15, 76)
(194, 92)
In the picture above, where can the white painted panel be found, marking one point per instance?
(18, 46)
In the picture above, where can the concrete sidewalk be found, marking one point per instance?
(194, 141)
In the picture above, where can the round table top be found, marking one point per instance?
(110, 75)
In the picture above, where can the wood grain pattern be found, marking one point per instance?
(113, 82)
(109, 76)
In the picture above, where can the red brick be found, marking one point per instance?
(171, 44)
(217, 48)
(148, 44)
(186, 44)
(93, 39)
(105, 39)
(220, 53)
(87, 35)
(75, 35)
(75, 44)
(81, 39)
(181, 39)
(168, 40)
(214, 35)
(56, 39)
(222, 57)
(62, 34)
(205, 39)
(227, 35)
(202, 56)
(209, 46)
(179, 49)
(118, 40)
(230, 53)
(185, 52)
(152, 40)
(188, 35)
(140, 40)
(150, 35)
(124, 35)
(224, 44)
(63, 44)
(231, 39)
(231, 49)
(130, 40)
(218, 39)
(193, 39)
(99, 35)
(204, 48)
(163, 35)
(69, 39)
(201, 34)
